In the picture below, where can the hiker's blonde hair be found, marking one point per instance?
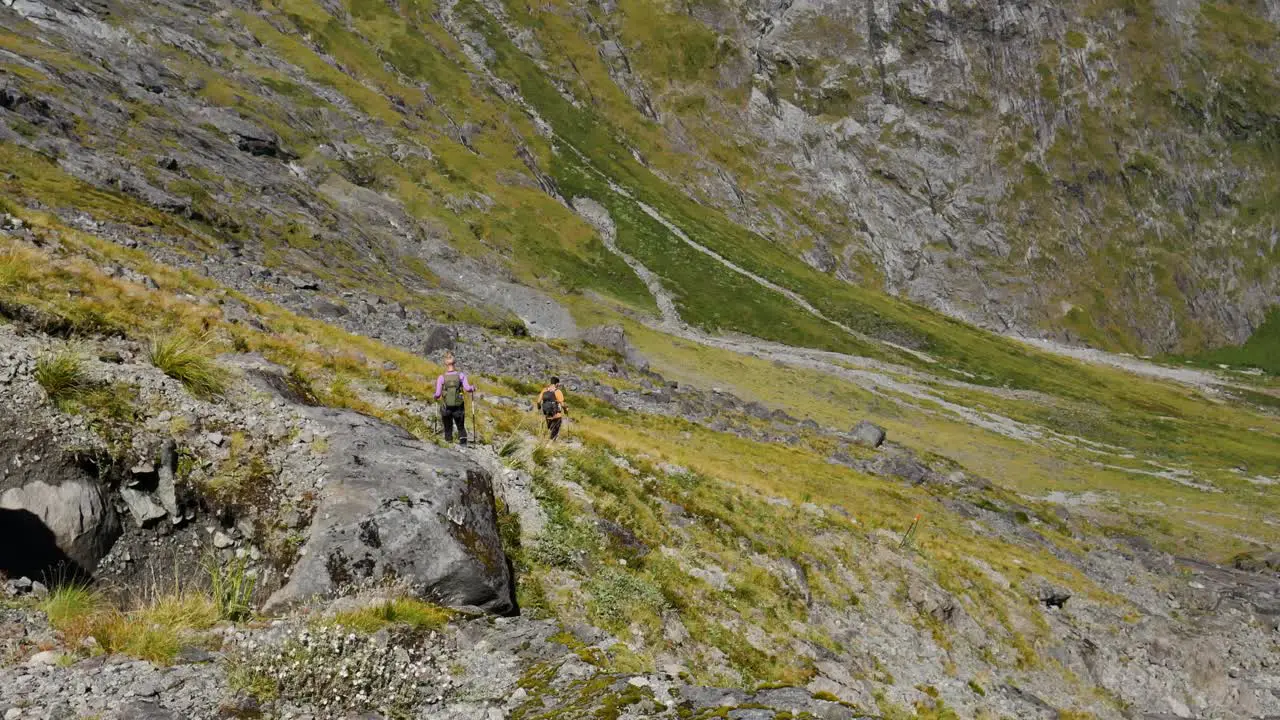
(449, 359)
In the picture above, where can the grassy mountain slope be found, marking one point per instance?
(655, 524)
(292, 161)
(360, 112)
(388, 99)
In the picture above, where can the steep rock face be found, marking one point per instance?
(395, 508)
(1086, 167)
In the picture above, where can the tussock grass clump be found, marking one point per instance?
(186, 361)
(510, 453)
(417, 614)
(62, 376)
(69, 602)
(231, 588)
(154, 631)
(509, 448)
(13, 271)
(541, 454)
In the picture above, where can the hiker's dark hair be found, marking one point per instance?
(555, 380)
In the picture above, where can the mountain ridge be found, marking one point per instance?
(236, 239)
(482, 139)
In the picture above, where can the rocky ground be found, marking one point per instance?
(477, 669)
(233, 242)
(320, 504)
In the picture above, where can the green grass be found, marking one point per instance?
(12, 272)
(716, 298)
(69, 602)
(62, 375)
(155, 630)
(1260, 351)
(231, 587)
(188, 361)
(414, 613)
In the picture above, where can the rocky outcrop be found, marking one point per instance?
(614, 339)
(395, 508)
(55, 520)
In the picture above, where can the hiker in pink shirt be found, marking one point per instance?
(450, 389)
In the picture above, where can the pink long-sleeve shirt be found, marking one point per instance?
(466, 386)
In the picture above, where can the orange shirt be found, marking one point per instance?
(559, 398)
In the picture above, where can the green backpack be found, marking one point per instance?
(452, 391)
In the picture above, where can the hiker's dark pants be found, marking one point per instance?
(451, 417)
(553, 427)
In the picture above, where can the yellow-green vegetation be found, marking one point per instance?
(156, 629)
(244, 478)
(108, 407)
(1100, 429)
(758, 515)
(231, 587)
(408, 611)
(61, 375)
(188, 361)
(625, 574)
(549, 243)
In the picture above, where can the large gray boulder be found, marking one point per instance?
(55, 520)
(441, 337)
(395, 508)
(867, 434)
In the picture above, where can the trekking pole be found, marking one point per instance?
(475, 425)
(910, 534)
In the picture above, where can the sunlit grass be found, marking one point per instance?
(155, 630)
(188, 361)
(61, 375)
(414, 613)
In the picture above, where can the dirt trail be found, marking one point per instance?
(1204, 379)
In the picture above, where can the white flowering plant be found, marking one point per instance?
(338, 671)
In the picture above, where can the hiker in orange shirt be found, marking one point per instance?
(551, 403)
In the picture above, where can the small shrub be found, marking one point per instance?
(618, 596)
(185, 360)
(61, 375)
(338, 672)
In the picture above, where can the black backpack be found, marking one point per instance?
(550, 406)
